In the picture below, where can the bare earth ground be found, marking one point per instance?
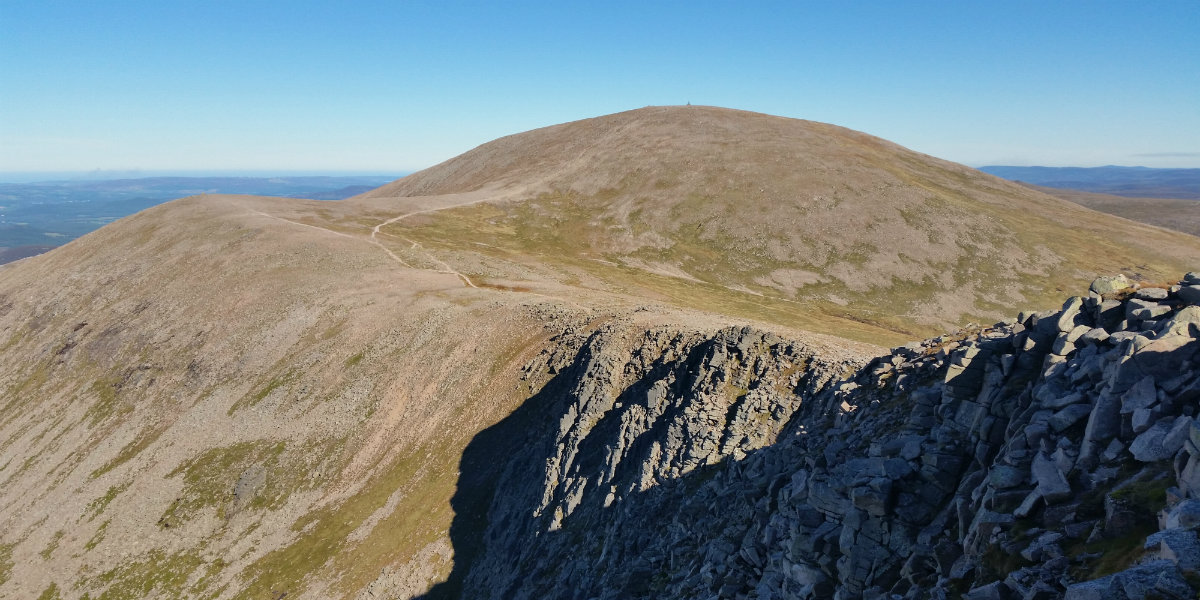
(235, 396)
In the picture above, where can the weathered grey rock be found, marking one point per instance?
(997, 590)
(1151, 293)
(1077, 333)
(1185, 322)
(1061, 346)
(1180, 546)
(1064, 458)
(1165, 356)
(1052, 486)
(844, 503)
(1189, 478)
(1097, 589)
(1039, 548)
(1186, 514)
(1148, 314)
(1110, 285)
(1141, 310)
(1142, 395)
(1069, 416)
(1118, 335)
(1094, 336)
(1057, 402)
(1113, 451)
(1142, 419)
(1148, 446)
(1103, 425)
(1170, 585)
(1144, 580)
(1004, 476)
(1108, 314)
(1190, 294)
(873, 498)
(1178, 435)
(1070, 314)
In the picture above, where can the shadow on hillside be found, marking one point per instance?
(481, 467)
(508, 458)
(654, 530)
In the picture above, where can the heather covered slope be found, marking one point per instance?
(751, 207)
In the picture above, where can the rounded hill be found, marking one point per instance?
(785, 209)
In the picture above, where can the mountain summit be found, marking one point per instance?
(787, 210)
(245, 397)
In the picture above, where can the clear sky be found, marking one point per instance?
(397, 86)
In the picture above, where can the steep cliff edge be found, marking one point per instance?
(1054, 455)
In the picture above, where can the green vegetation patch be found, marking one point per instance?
(50, 593)
(108, 402)
(209, 479)
(97, 537)
(97, 506)
(6, 563)
(268, 472)
(1146, 497)
(158, 574)
(48, 551)
(132, 449)
(427, 476)
(18, 396)
(1150, 496)
(288, 377)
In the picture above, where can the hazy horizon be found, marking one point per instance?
(105, 175)
(29, 177)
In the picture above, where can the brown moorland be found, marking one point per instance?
(234, 396)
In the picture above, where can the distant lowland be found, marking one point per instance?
(41, 215)
(1168, 198)
(1132, 182)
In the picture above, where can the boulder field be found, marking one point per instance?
(1055, 455)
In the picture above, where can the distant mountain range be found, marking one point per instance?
(37, 216)
(1133, 182)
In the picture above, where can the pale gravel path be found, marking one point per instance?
(415, 246)
(446, 268)
(376, 231)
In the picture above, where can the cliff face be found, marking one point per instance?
(1056, 454)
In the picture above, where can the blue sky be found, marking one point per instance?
(398, 86)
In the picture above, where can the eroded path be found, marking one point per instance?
(416, 246)
(373, 238)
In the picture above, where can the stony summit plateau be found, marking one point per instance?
(675, 352)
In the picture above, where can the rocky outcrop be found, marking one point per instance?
(1056, 455)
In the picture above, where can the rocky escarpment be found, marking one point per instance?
(1054, 455)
